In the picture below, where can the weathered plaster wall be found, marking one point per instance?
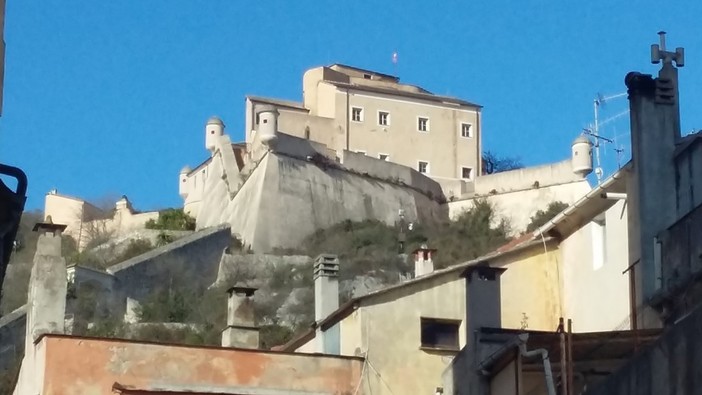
(388, 332)
(164, 368)
(286, 199)
(531, 289)
(672, 365)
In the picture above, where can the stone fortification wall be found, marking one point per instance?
(526, 178)
(519, 206)
(518, 194)
(399, 174)
(196, 256)
(286, 199)
(298, 187)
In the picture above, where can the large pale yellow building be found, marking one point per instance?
(347, 108)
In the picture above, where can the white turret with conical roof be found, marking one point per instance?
(213, 131)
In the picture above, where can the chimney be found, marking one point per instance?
(241, 328)
(482, 299)
(326, 301)
(47, 284)
(655, 130)
(423, 263)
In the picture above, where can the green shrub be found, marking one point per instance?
(172, 219)
(541, 217)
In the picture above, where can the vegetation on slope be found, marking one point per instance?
(541, 217)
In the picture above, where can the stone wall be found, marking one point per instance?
(12, 334)
(285, 199)
(196, 256)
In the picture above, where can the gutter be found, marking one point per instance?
(594, 193)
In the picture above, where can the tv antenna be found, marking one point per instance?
(598, 102)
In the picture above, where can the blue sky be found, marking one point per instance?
(110, 97)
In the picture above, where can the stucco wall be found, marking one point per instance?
(608, 308)
(153, 367)
(388, 332)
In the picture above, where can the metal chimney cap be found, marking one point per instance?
(241, 288)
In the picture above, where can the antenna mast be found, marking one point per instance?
(595, 131)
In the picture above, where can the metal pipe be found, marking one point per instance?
(570, 357)
(564, 363)
(613, 196)
(544, 358)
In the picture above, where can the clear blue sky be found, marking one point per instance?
(110, 97)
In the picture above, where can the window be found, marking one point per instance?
(440, 333)
(383, 118)
(357, 114)
(384, 157)
(423, 124)
(423, 167)
(599, 242)
(466, 130)
(467, 173)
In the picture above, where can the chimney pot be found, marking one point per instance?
(326, 301)
(241, 328)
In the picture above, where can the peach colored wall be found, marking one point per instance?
(82, 366)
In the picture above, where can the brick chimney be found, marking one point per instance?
(423, 263)
(241, 328)
(326, 301)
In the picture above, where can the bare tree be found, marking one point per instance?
(493, 163)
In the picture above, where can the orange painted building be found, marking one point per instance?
(70, 365)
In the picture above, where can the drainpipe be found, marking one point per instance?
(544, 357)
(348, 132)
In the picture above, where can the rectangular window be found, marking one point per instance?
(423, 124)
(440, 333)
(467, 173)
(383, 118)
(423, 167)
(466, 130)
(357, 114)
(384, 157)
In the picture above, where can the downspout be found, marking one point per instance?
(544, 357)
(348, 132)
(478, 135)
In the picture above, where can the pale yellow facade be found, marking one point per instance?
(386, 328)
(358, 110)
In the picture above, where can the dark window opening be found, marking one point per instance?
(438, 333)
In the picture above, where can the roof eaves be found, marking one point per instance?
(595, 193)
(397, 92)
(277, 102)
(347, 308)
